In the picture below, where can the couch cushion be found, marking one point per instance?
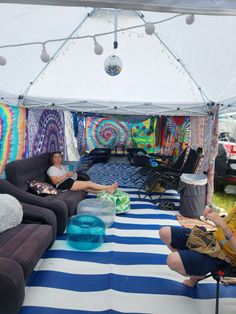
(25, 244)
(71, 199)
(21, 172)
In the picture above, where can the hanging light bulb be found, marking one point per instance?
(190, 19)
(3, 61)
(98, 49)
(44, 55)
(149, 28)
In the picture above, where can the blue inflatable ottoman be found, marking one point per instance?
(85, 232)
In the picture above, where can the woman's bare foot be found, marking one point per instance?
(112, 188)
(192, 281)
(115, 185)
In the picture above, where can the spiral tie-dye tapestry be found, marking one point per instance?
(107, 132)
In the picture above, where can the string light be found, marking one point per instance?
(3, 61)
(44, 55)
(190, 18)
(98, 49)
(149, 28)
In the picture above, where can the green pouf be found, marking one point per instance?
(119, 198)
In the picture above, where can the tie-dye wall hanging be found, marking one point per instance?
(106, 132)
(172, 134)
(80, 133)
(143, 135)
(71, 149)
(12, 134)
(45, 131)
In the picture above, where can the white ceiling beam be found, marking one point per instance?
(216, 7)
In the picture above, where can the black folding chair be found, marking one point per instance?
(226, 271)
(136, 156)
(100, 154)
(161, 167)
(169, 179)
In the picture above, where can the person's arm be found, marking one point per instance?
(58, 179)
(220, 222)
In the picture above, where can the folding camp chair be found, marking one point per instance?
(137, 156)
(164, 164)
(223, 272)
(170, 179)
(100, 154)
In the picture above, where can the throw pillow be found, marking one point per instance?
(42, 188)
(11, 212)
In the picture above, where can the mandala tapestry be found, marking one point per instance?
(45, 131)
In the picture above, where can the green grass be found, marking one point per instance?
(226, 201)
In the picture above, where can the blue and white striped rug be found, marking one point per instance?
(126, 274)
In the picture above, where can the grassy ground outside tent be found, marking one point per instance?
(226, 201)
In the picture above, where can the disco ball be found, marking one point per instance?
(113, 65)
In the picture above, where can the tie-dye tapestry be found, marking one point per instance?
(106, 132)
(173, 136)
(71, 148)
(213, 150)
(201, 137)
(143, 135)
(80, 133)
(12, 134)
(45, 131)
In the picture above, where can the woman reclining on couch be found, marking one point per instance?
(67, 180)
(194, 264)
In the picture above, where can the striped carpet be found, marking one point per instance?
(127, 274)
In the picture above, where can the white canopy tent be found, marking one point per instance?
(180, 69)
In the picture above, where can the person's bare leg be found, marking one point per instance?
(165, 235)
(192, 281)
(175, 263)
(89, 185)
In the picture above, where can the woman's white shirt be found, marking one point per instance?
(54, 171)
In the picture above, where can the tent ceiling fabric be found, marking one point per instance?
(150, 80)
(216, 7)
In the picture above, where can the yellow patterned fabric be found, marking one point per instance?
(143, 135)
(231, 221)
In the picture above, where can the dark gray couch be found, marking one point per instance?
(21, 172)
(20, 249)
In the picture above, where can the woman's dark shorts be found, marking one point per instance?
(66, 185)
(195, 264)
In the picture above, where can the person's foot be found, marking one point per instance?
(115, 185)
(112, 188)
(192, 281)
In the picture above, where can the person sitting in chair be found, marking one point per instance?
(193, 264)
(67, 180)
